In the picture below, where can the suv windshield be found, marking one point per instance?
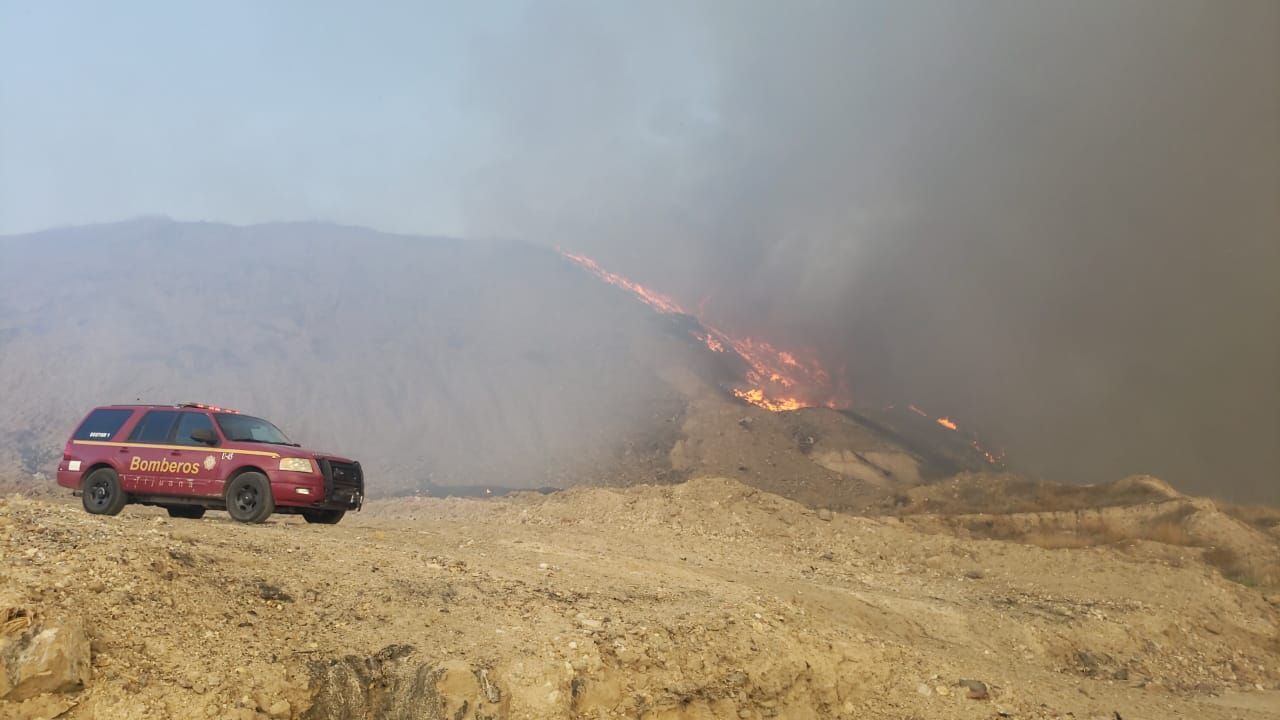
(246, 428)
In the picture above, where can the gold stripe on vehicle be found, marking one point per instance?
(197, 448)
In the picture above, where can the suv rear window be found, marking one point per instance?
(102, 424)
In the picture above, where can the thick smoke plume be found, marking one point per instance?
(1059, 222)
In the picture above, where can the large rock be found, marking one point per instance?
(40, 656)
(396, 684)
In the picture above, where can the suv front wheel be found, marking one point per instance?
(249, 498)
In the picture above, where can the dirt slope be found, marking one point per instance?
(703, 600)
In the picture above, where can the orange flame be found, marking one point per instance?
(993, 458)
(773, 377)
(712, 343)
(658, 301)
(756, 396)
(996, 459)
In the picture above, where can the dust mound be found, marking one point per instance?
(995, 493)
(1141, 514)
(710, 598)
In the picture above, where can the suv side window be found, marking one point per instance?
(189, 421)
(154, 427)
(102, 424)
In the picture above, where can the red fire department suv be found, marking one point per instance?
(190, 457)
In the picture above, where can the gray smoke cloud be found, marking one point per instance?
(1055, 222)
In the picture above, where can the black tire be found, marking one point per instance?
(187, 512)
(323, 517)
(101, 493)
(249, 498)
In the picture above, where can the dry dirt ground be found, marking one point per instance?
(708, 599)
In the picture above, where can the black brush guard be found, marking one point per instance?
(343, 484)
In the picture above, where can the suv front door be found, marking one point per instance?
(200, 459)
(146, 459)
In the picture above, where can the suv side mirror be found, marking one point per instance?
(204, 435)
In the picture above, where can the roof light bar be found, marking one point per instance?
(202, 406)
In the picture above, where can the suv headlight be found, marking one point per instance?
(296, 464)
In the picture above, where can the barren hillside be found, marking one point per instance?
(708, 599)
(444, 366)
(435, 361)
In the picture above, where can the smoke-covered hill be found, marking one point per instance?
(435, 361)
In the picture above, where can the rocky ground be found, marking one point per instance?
(708, 599)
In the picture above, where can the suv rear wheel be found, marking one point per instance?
(249, 498)
(101, 493)
(323, 517)
(188, 512)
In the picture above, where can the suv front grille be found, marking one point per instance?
(343, 482)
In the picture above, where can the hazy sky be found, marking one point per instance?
(237, 111)
(1059, 220)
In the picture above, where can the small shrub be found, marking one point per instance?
(1090, 532)
(35, 457)
(1168, 532)
(1235, 567)
(1059, 540)
(1221, 557)
(1258, 516)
